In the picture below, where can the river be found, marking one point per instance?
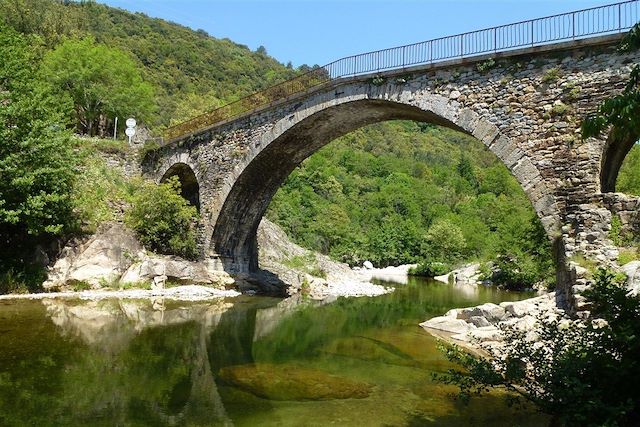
(245, 361)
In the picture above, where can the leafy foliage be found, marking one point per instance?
(629, 177)
(103, 82)
(622, 111)
(188, 70)
(164, 220)
(583, 373)
(37, 168)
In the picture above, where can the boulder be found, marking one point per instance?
(479, 321)
(105, 256)
(290, 382)
(519, 308)
(489, 311)
(368, 265)
(632, 270)
(448, 324)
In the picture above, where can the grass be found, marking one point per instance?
(100, 190)
(106, 146)
(627, 255)
(588, 264)
(307, 263)
(551, 75)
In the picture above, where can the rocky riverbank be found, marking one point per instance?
(113, 264)
(482, 324)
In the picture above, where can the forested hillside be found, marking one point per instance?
(189, 70)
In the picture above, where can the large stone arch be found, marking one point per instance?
(248, 191)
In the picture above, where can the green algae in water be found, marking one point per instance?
(352, 362)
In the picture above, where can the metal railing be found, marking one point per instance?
(580, 24)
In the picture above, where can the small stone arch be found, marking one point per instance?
(615, 150)
(249, 190)
(189, 187)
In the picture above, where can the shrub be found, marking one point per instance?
(163, 220)
(515, 272)
(429, 269)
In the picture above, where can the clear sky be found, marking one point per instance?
(318, 32)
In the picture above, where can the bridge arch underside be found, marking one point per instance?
(234, 233)
(189, 187)
(616, 149)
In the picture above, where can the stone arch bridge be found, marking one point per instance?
(524, 105)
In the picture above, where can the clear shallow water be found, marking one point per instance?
(242, 361)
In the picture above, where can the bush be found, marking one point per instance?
(163, 220)
(430, 269)
(582, 373)
(515, 272)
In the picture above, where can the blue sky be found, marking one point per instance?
(318, 32)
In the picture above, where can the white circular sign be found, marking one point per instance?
(131, 123)
(130, 131)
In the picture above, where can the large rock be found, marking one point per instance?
(489, 311)
(175, 269)
(448, 324)
(105, 256)
(114, 255)
(519, 308)
(632, 270)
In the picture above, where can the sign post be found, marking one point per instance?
(131, 128)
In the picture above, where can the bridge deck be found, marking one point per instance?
(597, 25)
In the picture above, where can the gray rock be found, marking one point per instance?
(489, 311)
(519, 308)
(479, 321)
(448, 324)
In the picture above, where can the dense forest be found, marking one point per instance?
(390, 193)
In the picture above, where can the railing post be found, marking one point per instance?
(495, 39)
(461, 45)
(531, 32)
(404, 65)
(619, 17)
(573, 26)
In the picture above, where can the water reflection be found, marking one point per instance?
(242, 361)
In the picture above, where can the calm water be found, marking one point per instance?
(244, 361)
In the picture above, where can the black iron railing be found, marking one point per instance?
(580, 24)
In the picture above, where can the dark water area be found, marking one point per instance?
(247, 361)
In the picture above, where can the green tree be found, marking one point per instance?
(621, 111)
(36, 159)
(103, 83)
(445, 241)
(163, 220)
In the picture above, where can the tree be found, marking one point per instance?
(621, 111)
(36, 166)
(582, 373)
(103, 83)
(163, 220)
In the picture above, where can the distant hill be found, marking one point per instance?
(191, 70)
